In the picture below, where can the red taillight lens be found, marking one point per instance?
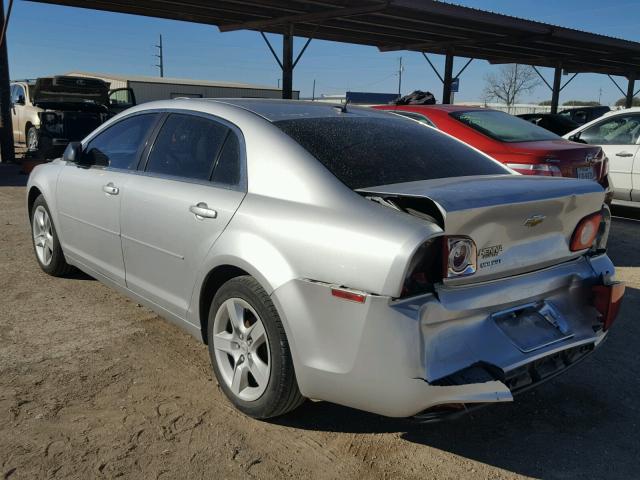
(348, 295)
(535, 169)
(586, 232)
(460, 257)
(607, 300)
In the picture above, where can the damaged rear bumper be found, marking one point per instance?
(402, 358)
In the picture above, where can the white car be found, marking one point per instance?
(618, 133)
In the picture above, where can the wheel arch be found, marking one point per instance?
(34, 192)
(212, 282)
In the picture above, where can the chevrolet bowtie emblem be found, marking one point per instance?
(534, 220)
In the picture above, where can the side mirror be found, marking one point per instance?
(576, 138)
(20, 100)
(73, 153)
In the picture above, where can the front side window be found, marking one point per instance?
(619, 130)
(17, 94)
(187, 146)
(370, 151)
(503, 127)
(120, 145)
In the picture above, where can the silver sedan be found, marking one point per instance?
(334, 253)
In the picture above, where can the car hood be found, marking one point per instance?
(50, 92)
(518, 223)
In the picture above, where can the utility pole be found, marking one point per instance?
(160, 56)
(278, 84)
(400, 78)
(599, 95)
(6, 127)
(313, 93)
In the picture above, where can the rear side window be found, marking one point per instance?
(187, 146)
(370, 151)
(227, 170)
(120, 145)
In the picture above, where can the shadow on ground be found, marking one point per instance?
(583, 424)
(10, 176)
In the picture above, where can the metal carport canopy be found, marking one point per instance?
(419, 25)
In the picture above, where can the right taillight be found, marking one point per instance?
(586, 232)
(460, 257)
(535, 169)
(607, 300)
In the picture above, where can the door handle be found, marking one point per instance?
(624, 154)
(111, 189)
(202, 211)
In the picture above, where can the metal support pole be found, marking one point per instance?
(555, 91)
(628, 103)
(6, 128)
(287, 63)
(448, 76)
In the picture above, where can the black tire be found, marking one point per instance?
(57, 266)
(282, 394)
(32, 139)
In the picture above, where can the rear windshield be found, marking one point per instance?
(371, 151)
(503, 127)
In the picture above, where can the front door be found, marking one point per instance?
(89, 195)
(190, 189)
(618, 135)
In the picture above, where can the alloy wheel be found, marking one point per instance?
(42, 235)
(241, 349)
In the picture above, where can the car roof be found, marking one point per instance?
(275, 110)
(622, 111)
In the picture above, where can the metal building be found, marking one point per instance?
(147, 89)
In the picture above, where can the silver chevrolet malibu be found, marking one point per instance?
(334, 253)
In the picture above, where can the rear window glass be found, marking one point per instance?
(370, 151)
(503, 127)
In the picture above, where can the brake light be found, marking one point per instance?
(460, 257)
(586, 232)
(348, 295)
(607, 300)
(535, 169)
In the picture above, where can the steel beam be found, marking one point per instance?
(555, 91)
(628, 103)
(7, 153)
(304, 18)
(448, 76)
(287, 63)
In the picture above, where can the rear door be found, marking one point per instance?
(89, 195)
(191, 185)
(618, 136)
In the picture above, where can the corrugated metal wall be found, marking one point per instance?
(147, 92)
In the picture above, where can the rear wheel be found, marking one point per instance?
(45, 240)
(249, 350)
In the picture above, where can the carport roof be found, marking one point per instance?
(419, 25)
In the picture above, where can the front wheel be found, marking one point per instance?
(33, 139)
(249, 351)
(45, 240)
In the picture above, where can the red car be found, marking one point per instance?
(521, 145)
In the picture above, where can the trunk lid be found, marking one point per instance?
(573, 159)
(518, 223)
(53, 92)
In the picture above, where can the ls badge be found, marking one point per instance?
(534, 220)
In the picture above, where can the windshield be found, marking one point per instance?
(503, 127)
(371, 151)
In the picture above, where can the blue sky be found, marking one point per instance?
(48, 39)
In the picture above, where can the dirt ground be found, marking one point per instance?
(94, 386)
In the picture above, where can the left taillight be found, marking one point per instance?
(460, 257)
(536, 169)
(586, 232)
